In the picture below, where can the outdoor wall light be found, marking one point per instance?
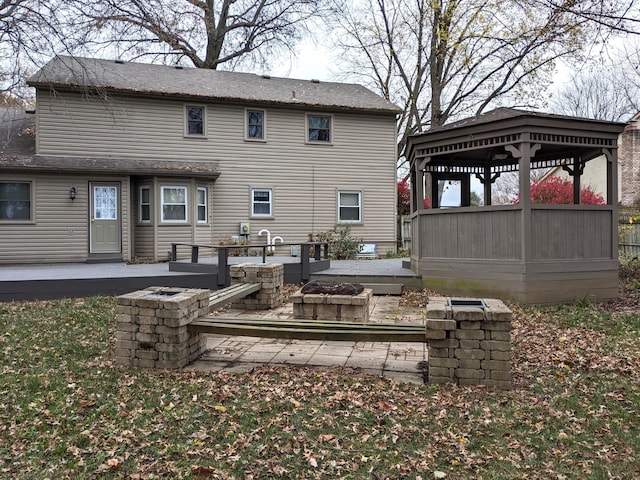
(72, 193)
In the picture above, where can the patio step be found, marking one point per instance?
(384, 288)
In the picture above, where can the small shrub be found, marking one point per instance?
(399, 253)
(629, 266)
(342, 245)
(231, 241)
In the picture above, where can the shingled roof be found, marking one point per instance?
(64, 72)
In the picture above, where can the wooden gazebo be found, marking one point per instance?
(529, 253)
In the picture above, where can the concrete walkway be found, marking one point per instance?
(404, 362)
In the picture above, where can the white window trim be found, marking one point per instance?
(185, 114)
(206, 205)
(186, 203)
(32, 203)
(359, 193)
(264, 125)
(251, 207)
(306, 129)
(140, 204)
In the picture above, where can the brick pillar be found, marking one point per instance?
(152, 327)
(469, 345)
(269, 276)
(629, 166)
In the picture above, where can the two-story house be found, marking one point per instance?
(131, 157)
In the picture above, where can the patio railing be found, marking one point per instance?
(320, 251)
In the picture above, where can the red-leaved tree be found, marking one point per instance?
(404, 198)
(556, 190)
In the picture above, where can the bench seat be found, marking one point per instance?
(234, 292)
(309, 329)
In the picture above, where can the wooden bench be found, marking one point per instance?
(229, 294)
(309, 329)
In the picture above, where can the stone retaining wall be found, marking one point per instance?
(152, 327)
(469, 345)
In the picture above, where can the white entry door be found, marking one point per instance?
(104, 212)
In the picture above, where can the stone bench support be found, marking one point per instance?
(469, 345)
(152, 327)
(269, 276)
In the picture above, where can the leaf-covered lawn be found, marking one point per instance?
(67, 412)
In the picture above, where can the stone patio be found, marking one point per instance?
(403, 362)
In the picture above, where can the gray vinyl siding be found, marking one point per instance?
(144, 242)
(304, 177)
(59, 231)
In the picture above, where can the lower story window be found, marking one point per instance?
(350, 207)
(174, 204)
(15, 201)
(202, 204)
(261, 202)
(145, 205)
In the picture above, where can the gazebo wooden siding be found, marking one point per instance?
(530, 253)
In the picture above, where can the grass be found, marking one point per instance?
(67, 412)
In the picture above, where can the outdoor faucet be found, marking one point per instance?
(273, 244)
(268, 233)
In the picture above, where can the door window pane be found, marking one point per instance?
(105, 204)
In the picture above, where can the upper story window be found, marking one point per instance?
(201, 204)
(15, 201)
(195, 120)
(261, 202)
(255, 124)
(350, 207)
(174, 204)
(144, 205)
(318, 128)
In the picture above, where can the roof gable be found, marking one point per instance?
(209, 85)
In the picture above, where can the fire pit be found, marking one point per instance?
(332, 301)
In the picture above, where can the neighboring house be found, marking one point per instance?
(131, 157)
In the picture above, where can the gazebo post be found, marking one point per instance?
(465, 191)
(612, 195)
(487, 181)
(435, 190)
(576, 188)
(524, 196)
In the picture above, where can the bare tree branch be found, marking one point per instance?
(208, 33)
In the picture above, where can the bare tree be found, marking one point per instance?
(206, 33)
(443, 59)
(600, 93)
(31, 31)
(506, 188)
(619, 15)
